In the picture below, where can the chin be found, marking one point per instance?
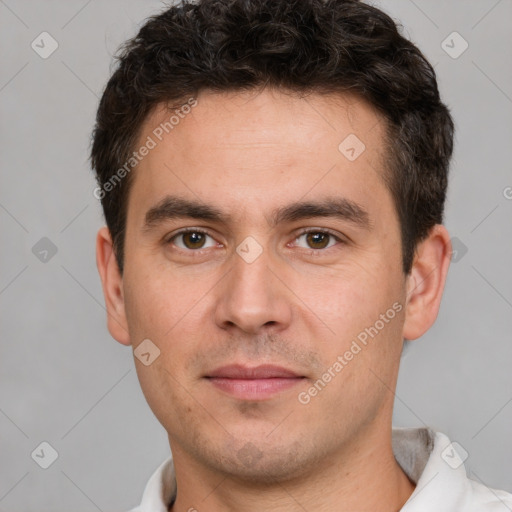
(259, 461)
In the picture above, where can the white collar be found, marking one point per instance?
(427, 457)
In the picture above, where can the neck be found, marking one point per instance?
(363, 476)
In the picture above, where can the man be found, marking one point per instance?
(273, 175)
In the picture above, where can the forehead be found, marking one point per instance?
(247, 149)
(270, 116)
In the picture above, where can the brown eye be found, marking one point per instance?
(318, 239)
(193, 240)
(190, 240)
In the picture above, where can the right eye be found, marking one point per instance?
(192, 239)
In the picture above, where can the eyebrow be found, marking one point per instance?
(175, 207)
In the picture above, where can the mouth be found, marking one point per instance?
(256, 383)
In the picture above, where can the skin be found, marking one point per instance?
(299, 305)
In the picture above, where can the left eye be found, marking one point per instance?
(319, 239)
(192, 239)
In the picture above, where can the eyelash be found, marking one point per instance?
(184, 232)
(303, 232)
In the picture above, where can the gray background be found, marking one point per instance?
(64, 380)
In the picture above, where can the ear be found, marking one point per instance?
(425, 283)
(112, 284)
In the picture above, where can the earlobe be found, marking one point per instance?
(112, 284)
(425, 283)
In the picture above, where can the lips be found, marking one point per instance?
(257, 383)
(258, 372)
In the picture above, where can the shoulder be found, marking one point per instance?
(475, 495)
(481, 498)
(436, 465)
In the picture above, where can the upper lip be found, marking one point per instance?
(266, 371)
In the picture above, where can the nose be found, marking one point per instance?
(253, 297)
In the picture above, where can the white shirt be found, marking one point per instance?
(427, 457)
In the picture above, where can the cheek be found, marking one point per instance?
(154, 301)
(364, 311)
(352, 299)
(167, 394)
(158, 310)
(168, 311)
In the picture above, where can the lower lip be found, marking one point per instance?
(254, 389)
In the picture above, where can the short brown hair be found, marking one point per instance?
(303, 46)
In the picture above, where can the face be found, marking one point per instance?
(279, 311)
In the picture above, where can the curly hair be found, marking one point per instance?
(301, 46)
